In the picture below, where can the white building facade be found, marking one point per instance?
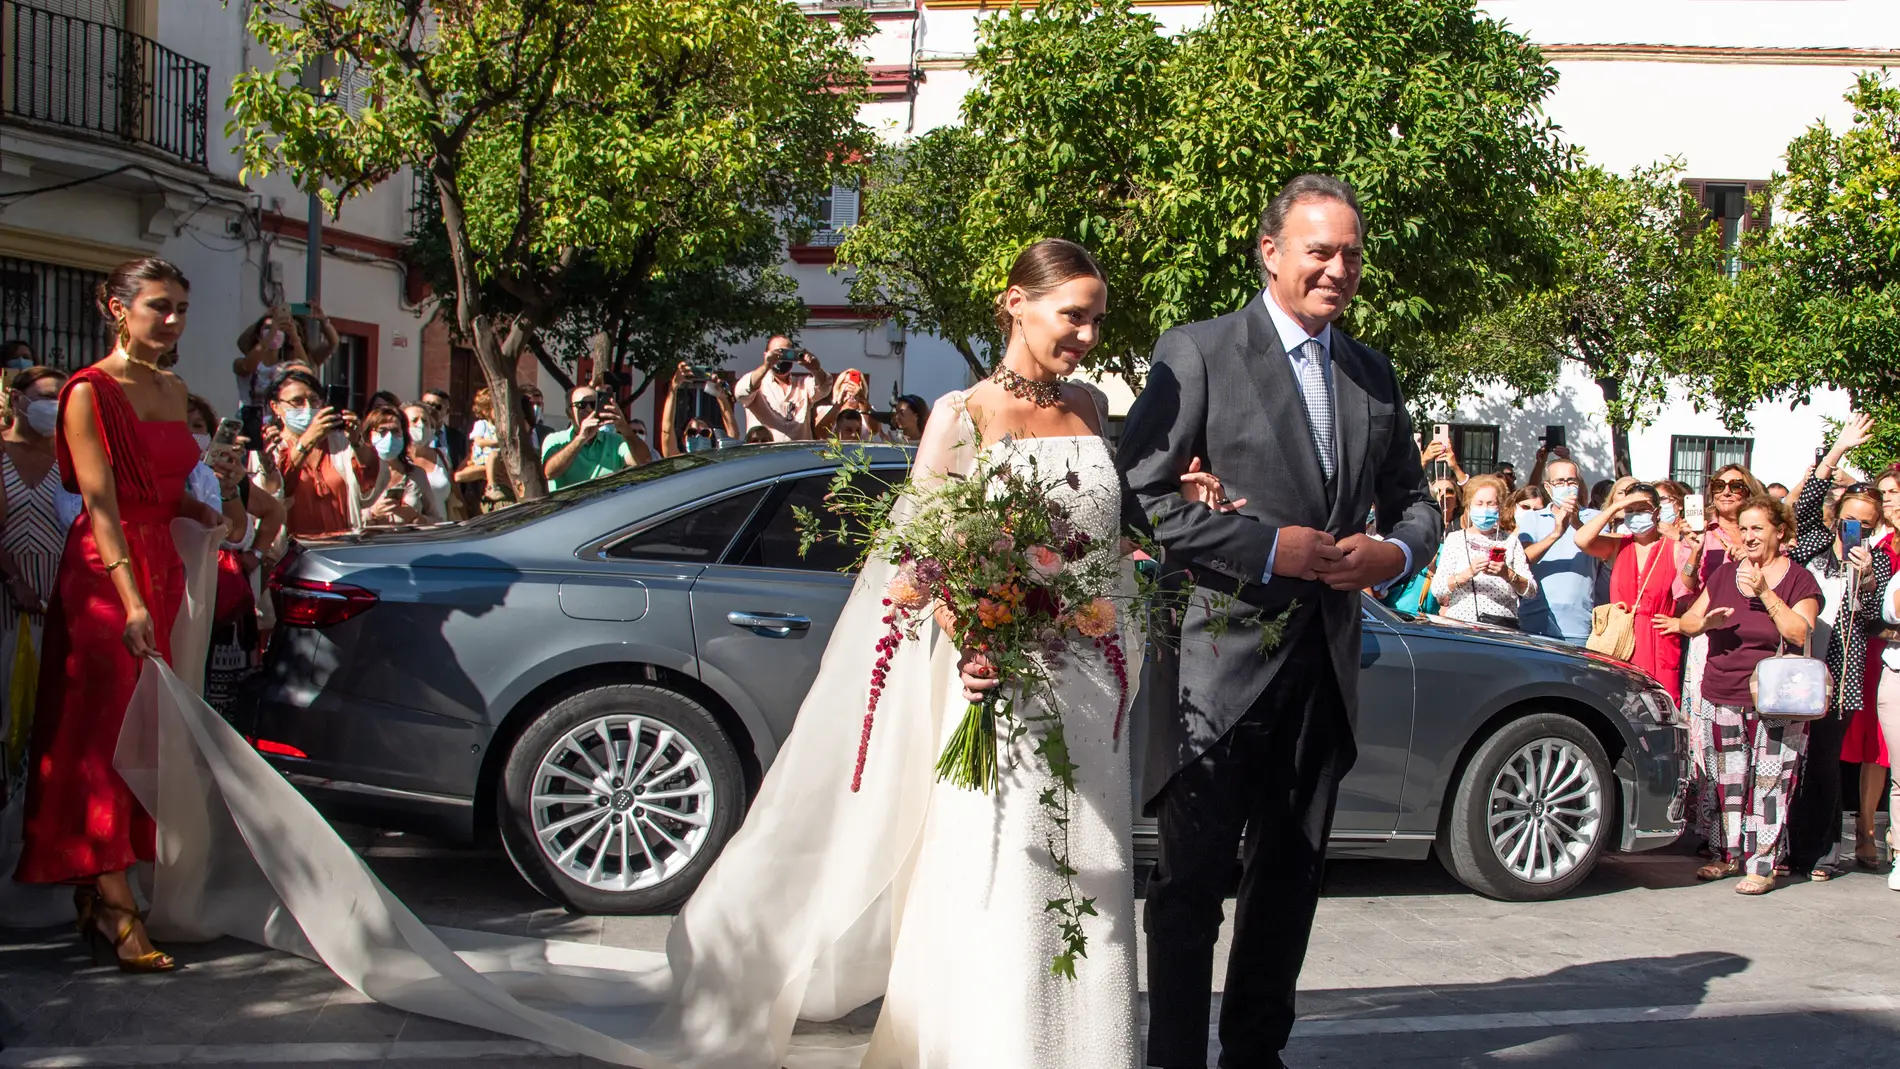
(113, 145)
(1723, 85)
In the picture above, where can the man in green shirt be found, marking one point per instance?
(595, 445)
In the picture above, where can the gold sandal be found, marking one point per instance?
(1753, 885)
(152, 961)
(1718, 870)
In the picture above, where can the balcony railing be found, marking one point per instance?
(66, 72)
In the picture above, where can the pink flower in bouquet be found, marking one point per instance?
(1002, 545)
(905, 592)
(1043, 561)
(930, 572)
(1096, 619)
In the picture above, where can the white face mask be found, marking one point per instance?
(388, 446)
(43, 416)
(419, 433)
(204, 441)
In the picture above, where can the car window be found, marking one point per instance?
(776, 543)
(698, 536)
(568, 497)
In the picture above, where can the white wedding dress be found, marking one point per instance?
(930, 897)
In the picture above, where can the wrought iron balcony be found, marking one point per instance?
(104, 81)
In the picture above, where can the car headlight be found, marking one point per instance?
(1657, 705)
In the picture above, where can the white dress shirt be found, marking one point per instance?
(1292, 337)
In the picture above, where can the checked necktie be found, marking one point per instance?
(1319, 404)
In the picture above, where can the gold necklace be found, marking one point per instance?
(130, 359)
(1041, 394)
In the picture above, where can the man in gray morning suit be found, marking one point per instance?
(1307, 430)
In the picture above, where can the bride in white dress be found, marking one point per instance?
(926, 895)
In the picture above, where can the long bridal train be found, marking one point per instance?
(795, 920)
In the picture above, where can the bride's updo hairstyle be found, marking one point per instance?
(1039, 269)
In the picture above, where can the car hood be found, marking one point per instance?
(1446, 629)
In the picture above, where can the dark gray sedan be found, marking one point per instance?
(602, 677)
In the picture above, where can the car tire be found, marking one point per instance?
(576, 818)
(1544, 838)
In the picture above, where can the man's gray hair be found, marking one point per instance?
(1305, 187)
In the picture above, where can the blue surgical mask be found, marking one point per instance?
(1565, 494)
(1640, 522)
(388, 446)
(1668, 511)
(297, 420)
(43, 416)
(1484, 517)
(698, 445)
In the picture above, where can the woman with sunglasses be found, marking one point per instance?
(1751, 609)
(1731, 488)
(1672, 499)
(1642, 569)
(1835, 545)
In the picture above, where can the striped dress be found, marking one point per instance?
(35, 537)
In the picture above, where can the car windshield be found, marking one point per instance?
(568, 497)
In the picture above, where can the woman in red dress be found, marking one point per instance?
(124, 446)
(1642, 578)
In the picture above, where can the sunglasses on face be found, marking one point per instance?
(586, 405)
(699, 432)
(1731, 486)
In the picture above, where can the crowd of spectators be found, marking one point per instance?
(1709, 582)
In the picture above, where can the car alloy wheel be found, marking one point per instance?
(621, 803)
(1546, 810)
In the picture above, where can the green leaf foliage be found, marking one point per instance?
(1818, 304)
(1631, 255)
(595, 164)
(1159, 152)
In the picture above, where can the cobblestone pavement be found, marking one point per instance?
(1643, 967)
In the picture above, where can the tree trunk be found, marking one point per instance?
(1619, 430)
(969, 357)
(475, 324)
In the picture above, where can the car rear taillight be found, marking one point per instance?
(316, 603)
(279, 749)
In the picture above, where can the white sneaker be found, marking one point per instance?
(1893, 878)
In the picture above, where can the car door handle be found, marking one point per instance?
(769, 623)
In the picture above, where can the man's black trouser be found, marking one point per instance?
(1273, 778)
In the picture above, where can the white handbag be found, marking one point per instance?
(1786, 687)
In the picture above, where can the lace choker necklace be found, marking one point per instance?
(1041, 394)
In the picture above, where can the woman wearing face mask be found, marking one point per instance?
(1852, 578)
(34, 515)
(432, 463)
(402, 495)
(1671, 499)
(328, 478)
(1642, 571)
(1751, 609)
(1482, 572)
(699, 436)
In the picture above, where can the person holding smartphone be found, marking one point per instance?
(1852, 572)
(1482, 573)
(1642, 578)
(329, 479)
(783, 392)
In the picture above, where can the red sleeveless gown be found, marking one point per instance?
(81, 819)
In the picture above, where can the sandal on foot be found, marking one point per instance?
(1719, 870)
(1828, 870)
(1755, 885)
